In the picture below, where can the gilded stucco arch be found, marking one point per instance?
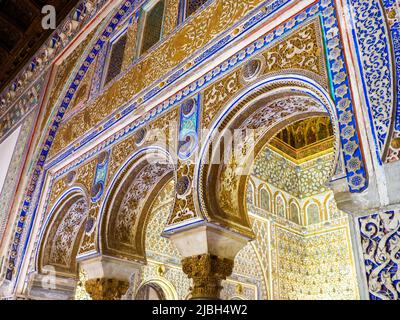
(63, 232)
(294, 203)
(127, 206)
(264, 188)
(265, 107)
(329, 205)
(316, 203)
(279, 195)
(252, 198)
(167, 288)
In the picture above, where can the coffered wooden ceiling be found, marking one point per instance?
(21, 32)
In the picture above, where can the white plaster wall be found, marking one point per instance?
(6, 151)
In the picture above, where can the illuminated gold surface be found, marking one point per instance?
(276, 262)
(187, 40)
(307, 58)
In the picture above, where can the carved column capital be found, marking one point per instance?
(207, 272)
(208, 253)
(108, 278)
(106, 288)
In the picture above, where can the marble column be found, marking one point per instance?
(208, 257)
(108, 278)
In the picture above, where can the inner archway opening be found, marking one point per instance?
(302, 236)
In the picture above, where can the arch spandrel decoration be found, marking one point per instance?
(63, 234)
(158, 247)
(266, 107)
(126, 208)
(89, 244)
(84, 177)
(306, 58)
(184, 207)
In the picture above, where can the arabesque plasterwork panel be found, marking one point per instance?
(89, 241)
(301, 39)
(63, 72)
(393, 19)
(184, 208)
(171, 16)
(303, 180)
(379, 237)
(302, 51)
(314, 267)
(186, 41)
(376, 61)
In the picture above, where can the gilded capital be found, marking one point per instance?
(207, 272)
(106, 288)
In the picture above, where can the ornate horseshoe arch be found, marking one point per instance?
(167, 288)
(266, 107)
(63, 232)
(128, 202)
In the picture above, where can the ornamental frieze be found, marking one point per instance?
(191, 37)
(63, 72)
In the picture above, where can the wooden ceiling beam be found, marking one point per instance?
(7, 19)
(36, 5)
(4, 46)
(3, 51)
